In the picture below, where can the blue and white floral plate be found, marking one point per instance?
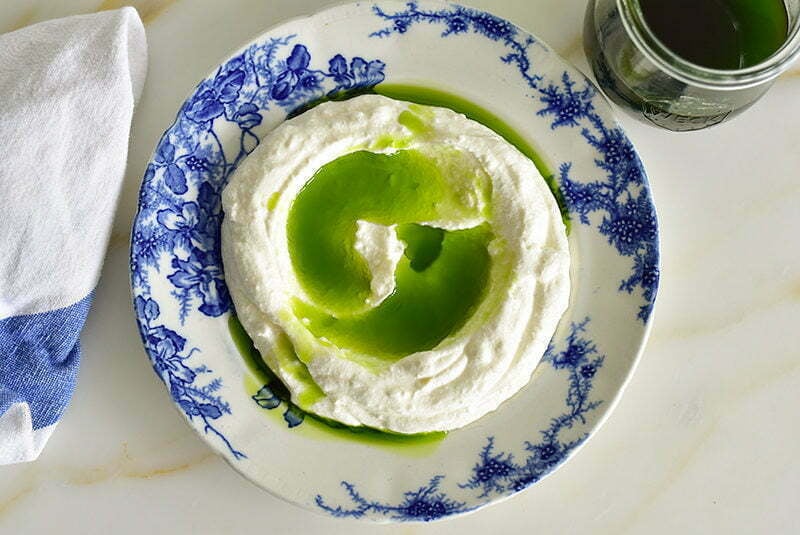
(183, 306)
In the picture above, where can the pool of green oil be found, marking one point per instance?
(439, 280)
(719, 34)
(314, 426)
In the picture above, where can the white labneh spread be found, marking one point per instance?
(470, 372)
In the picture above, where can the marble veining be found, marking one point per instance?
(124, 466)
(26, 18)
(149, 10)
(706, 428)
(791, 73)
(10, 502)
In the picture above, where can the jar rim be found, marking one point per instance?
(691, 73)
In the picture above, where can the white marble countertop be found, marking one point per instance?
(705, 439)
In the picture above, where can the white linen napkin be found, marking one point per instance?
(67, 93)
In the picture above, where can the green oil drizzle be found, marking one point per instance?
(414, 123)
(272, 202)
(439, 281)
(384, 142)
(252, 358)
(314, 426)
(284, 353)
(289, 362)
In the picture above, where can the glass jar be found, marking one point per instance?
(638, 72)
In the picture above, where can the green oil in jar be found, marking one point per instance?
(718, 34)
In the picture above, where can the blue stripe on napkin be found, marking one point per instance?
(39, 356)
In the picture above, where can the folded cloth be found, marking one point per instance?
(67, 92)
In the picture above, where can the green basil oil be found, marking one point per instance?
(718, 34)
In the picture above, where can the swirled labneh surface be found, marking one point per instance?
(398, 266)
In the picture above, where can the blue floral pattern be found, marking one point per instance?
(500, 473)
(197, 398)
(621, 200)
(267, 398)
(423, 504)
(179, 203)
